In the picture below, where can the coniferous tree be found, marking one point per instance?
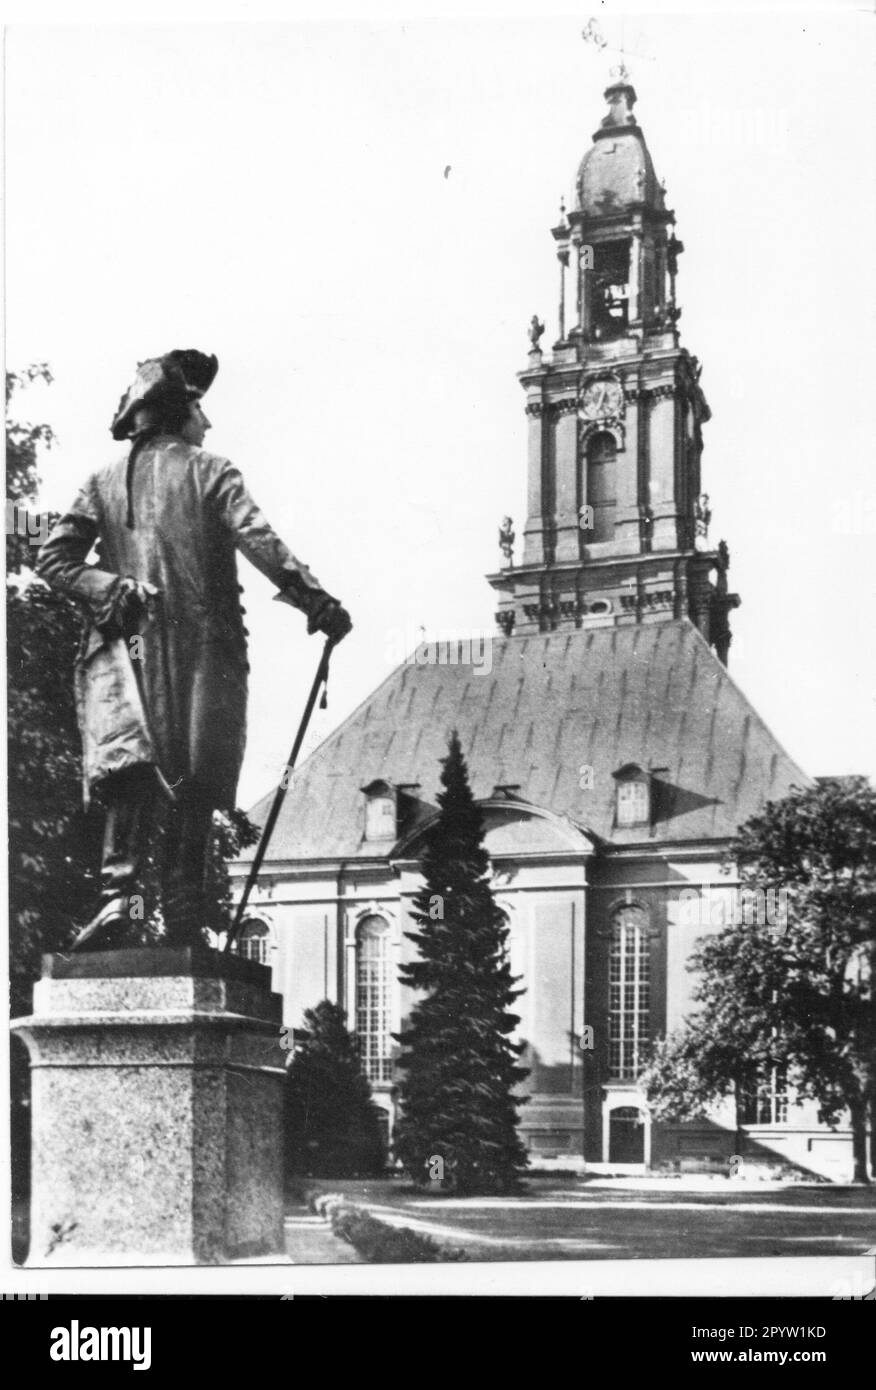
(332, 1124)
(459, 1109)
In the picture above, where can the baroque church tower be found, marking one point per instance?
(617, 527)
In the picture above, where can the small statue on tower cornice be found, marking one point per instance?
(674, 248)
(506, 539)
(702, 517)
(536, 329)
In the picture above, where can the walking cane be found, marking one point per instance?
(320, 679)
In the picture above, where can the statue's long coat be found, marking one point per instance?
(191, 511)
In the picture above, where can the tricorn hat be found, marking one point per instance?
(179, 376)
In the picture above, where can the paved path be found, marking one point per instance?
(626, 1220)
(310, 1241)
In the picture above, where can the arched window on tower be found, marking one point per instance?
(254, 941)
(601, 486)
(629, 990)
(610, 288)
(373, 1013)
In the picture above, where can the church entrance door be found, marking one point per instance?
(626, 1135)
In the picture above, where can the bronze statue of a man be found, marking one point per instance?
(161, 680)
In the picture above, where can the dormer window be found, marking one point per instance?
(633, 796)
(381, 811)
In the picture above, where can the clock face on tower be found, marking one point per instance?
(601, 400)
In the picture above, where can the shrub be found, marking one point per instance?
(377, 1241)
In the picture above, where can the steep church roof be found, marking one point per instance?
(552, 704)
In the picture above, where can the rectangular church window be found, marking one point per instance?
(767, 1102)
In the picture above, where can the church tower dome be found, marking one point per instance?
(617, 172)
(617, 521)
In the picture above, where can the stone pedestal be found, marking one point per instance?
(156, 1109)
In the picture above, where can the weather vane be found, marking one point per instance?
(592, 34)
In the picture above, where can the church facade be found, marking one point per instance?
(611, 752)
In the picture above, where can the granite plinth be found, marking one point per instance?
(157, 1092)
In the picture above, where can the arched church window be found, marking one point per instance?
(601, 485)
(254, 941)
(629, 1003)
(373, 1013)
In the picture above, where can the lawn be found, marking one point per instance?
(605, 1219)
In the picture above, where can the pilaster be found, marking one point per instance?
(568, 470)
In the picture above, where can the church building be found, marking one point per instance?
(610, 750)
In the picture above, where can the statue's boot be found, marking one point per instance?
(184, 913)
(187, 837)
(129, 799)
(107, 927)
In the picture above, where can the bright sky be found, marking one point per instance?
(276, 194)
